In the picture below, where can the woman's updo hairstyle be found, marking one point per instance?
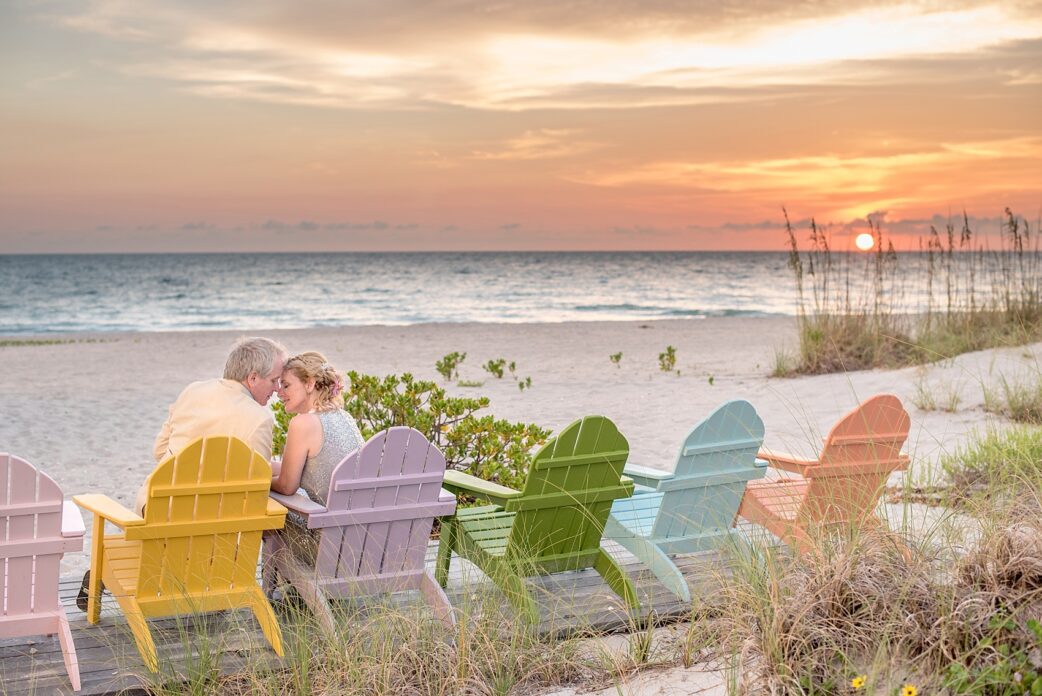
(328, 382)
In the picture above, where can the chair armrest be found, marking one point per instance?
(446, 496)
(275, 509)
(72, 520)
(300, 504)
(108, 509)
(646, 476)
(460, 482)
(787, 462)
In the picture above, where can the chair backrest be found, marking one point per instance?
(30, 539)
(565, 502)
(382, 501)
(860, 453)
(715, 462)
(204, 517)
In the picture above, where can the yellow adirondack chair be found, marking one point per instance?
(196, 548)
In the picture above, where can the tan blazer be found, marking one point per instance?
(213, 407)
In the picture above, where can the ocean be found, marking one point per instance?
(53, 294)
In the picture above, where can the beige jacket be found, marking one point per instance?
(213, 407)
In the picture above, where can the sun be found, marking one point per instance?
(865, 241)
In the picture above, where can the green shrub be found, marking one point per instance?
(667, 361)
(490, 448)
(448, 366)
(495, 367)
(616, 358)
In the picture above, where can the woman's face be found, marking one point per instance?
(293, 393)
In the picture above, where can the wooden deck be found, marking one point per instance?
(109, 661)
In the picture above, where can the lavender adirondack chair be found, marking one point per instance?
(36, 528)
(382, 501)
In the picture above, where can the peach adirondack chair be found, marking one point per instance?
(373, 531)
(36, 528)
(842, 486)
(196, 548)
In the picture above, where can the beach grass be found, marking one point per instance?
(850, 307)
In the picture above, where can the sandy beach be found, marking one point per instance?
(86, 412)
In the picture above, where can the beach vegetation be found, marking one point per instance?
(525, 383)
(1018, 400)
(21, 342)
(488, 447)
(936, 397)
(996, 464)
(448, 366)
(667, 360)
(495, 367)
(851, 313)
(470, 383)
(616, 359)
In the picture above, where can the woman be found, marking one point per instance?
(319, 436)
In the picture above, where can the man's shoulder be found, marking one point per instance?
(225, 393)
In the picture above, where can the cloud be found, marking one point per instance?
(510, 227)
(194, 226)
(544, 143)
(545, 54)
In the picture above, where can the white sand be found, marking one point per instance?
(87, 413)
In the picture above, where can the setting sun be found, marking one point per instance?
(864, 241)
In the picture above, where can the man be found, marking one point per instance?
(236, 405)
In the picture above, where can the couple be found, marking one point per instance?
(319, 436)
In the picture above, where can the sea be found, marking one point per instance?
(55, 294)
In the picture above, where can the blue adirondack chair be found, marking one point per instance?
(693, 508)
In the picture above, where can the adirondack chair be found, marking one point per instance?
(554, 524)
(36, 528)
(843, 485)
(381, 505)
(196, 548)
(692, 508)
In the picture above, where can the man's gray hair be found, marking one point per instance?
(253, 354)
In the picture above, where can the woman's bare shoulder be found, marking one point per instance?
(303, 423)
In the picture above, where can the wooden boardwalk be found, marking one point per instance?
(110, 664)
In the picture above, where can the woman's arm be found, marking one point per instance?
(300, 436)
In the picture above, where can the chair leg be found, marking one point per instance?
(142, 636)
(616, 578)
(97, 556)
(438, 601)
(513, 586)
(651, 556)
(266, 618)
(272, 545)
(68, 651)
(446, 545)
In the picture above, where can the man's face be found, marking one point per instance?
(262, 387)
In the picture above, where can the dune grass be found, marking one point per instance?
(851, 313)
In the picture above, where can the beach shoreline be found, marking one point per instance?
(86, 411)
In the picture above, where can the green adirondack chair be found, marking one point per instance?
(692, 508)
(553, 525)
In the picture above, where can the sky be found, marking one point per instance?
(147, 125)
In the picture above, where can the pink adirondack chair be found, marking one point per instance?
(36, 528)
(382, 501)
(842, 486)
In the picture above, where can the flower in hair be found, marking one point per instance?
(338, 386)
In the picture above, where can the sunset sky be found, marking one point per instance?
(595, 124)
